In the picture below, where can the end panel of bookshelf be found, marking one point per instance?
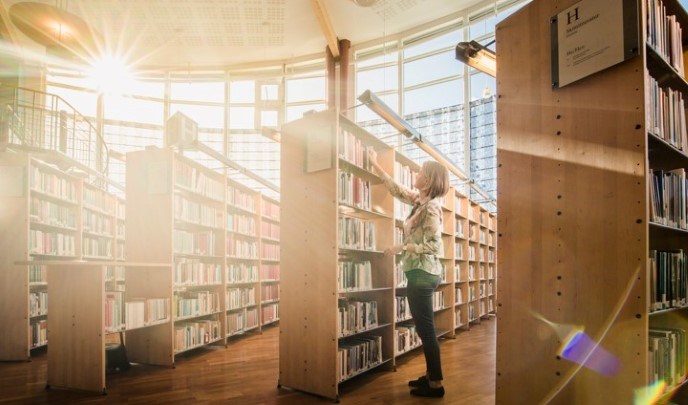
(14, 310)
(149, 208)
(76, 327)
(581, 156)
(14, 221)
(308, 305)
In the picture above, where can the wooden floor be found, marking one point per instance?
(246, 372)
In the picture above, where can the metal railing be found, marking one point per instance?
(46, 121)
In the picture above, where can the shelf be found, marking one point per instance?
(364, 174)
(254, 259)
(61, 228)
(663, 72)
(240, 209)
(197, 256)
(186, 349)
(379, 326)
(186, 318)
(666, 311)
(54, 198)
(351, 211)
(240, 283)
(663, 155)
(656, 228)
(177, 287)
(241, 307)
(363, 370)
(370, 290)
(188, 225)
(270, 321)
(269, 302)
(195, 195)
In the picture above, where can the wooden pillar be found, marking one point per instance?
(331, 79)
(344, 51)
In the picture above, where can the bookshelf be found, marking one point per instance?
(51, 215)
(244, 248)
(329, 274)
(220, 237)
(577, 223)
(79, 323)
(270, 232)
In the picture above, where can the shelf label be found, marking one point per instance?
(591, 36)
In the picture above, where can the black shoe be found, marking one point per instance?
(421, 381)
(427, 391)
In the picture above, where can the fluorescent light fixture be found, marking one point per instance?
(478, 56)
(385, 112)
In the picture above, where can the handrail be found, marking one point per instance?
(47, 121)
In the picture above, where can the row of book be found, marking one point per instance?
(38, 303)
(270, 230)
(241, 224)
(668, 198)
(140, 312)
(666, 114)
(99, 199)
(354, 191)
(37, 274)
(242, 273)
(114, 273)
(270, 272)
(51, 213)
(52, 184)
(664, 33)
(355, 233)
(39, 333)
(242, 320)
(354, 275)
(241, 199)
(401, 308)
(270, 251)
(195, 243)
(668, 273)
(197, 180)
(270, 210)
(236, 298)
(356, 316)
(270, 313)
(193, 272)
(667, 356)
(195, 303)
(196, 213)
(96, 247)
(95, 222)
(357, 355)
(240, 248)
(51, 243)
(352, 149)
(188, 335)
(406, 339)
(269, 292)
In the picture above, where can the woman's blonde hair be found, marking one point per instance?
(437, 178)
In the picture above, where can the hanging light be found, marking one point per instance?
(478, 56)
(61, 32)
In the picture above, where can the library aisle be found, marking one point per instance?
(246, 373)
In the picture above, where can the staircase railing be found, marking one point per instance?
(46, 121)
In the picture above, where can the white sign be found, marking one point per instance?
(589, 38)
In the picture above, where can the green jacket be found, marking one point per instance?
(422, 228)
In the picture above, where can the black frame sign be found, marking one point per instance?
(591, 36)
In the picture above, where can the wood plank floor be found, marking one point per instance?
(246, 372)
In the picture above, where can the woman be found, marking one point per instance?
(421, 250)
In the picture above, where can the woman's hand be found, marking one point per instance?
(372, 157)
(391, 251)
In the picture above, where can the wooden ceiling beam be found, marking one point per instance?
(320, 12)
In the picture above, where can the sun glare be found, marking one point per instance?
(110, 75)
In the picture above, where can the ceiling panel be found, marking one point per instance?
(230, 32)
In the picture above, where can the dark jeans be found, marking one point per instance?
(421, 285)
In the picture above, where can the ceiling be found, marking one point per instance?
(188, 33)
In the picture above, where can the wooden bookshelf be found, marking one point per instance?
(51, 215)
(76, 359)
(217, 238)
(575, 216)
(270, 234)
(318, 266)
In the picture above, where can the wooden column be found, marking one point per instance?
(344, 52)
(331, 79)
